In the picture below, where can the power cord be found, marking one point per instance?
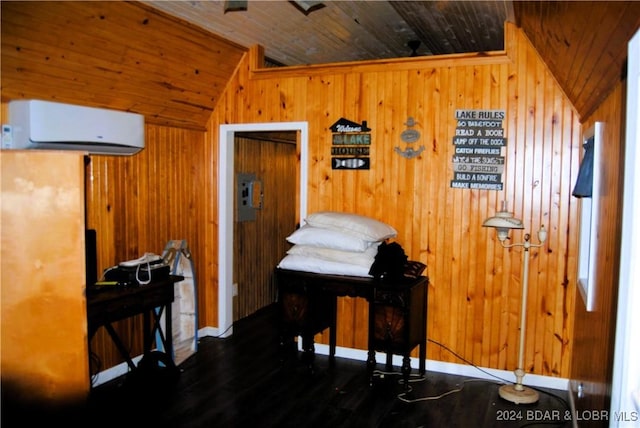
(503, 381)
(416, 377)
(460, 357)
(412, 377)
(402, 395)
(220, 336)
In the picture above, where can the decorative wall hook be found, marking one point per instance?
(409, 153)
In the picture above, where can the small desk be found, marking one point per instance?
(114, 304)
(397, 314)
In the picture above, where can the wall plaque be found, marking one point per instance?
(350, 144)
(409, 136)
(477, 161)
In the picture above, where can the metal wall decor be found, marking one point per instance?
(350, 145)
(409, 136)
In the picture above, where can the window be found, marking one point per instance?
(587, 188)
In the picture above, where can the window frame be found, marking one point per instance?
(589, 218)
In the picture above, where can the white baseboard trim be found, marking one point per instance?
(113, 372)
(210, 331)
(451, 368)
(539, 381)
(122, 368)
(361, 355)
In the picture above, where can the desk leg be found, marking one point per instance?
(146, 321)
(288, 345)
(406, 370)
(308, 351)
(168, 323)
(332, 332)
(166, 337)
(371, 363)
(119, 345)
(423, 344)
(371, 355)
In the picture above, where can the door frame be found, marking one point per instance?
(226, 142)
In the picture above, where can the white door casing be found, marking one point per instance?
(226, 206)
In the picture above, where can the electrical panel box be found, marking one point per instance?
(249, 196)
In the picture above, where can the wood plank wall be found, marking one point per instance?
(474, 292)
(474, 296)
(139, 203)
(596, 329)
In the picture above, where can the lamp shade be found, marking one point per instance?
(502, 222)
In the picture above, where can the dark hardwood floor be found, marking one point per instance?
(240, 382)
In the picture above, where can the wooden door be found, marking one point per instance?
(260, 242)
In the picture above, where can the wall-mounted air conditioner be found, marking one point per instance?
(36, 124)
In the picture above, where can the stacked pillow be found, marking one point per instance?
(336, 243)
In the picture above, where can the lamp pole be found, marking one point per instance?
(518, 393)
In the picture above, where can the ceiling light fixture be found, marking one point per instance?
(235, 5)
(308, 6)
(414, 45)
(503, 222)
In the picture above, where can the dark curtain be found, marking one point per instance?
(584, 183)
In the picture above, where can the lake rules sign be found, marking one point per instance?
(350, 143)
(478, 162)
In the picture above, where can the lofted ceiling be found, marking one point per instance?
(582, 42)
(171, 60)
(343, 31)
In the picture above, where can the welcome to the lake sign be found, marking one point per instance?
(350, 143)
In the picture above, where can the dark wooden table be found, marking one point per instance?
(115, 303)
(397, 314)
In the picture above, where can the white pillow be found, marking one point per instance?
(312, 264)
(318, 237)
(358, 225)
(364, 259)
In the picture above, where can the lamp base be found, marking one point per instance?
(518, 396)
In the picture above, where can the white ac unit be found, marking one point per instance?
(36, 124)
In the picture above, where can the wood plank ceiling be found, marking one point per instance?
(185, 51)
(352, 30)
(587, 64)
(118, 55)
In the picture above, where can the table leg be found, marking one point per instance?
(389, 362)
(308, 351)
(406, 370)
(371, 355)
(146, 337)
(371, 363)
(168, 339)
(332, 332)
(120, 345)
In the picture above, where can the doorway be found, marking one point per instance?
(226, 204)
(266, 165)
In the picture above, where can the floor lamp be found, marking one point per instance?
(503, 221)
